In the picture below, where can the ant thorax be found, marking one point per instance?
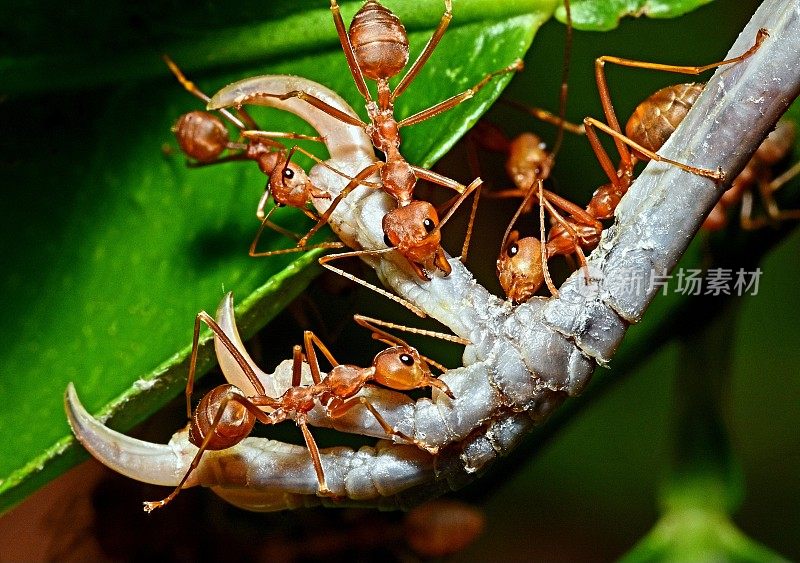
(382, 128)
(344, 381)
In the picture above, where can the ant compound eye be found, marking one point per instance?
(407, 360)
(428, 224)
(288, 173)
(279, 204)
(387, 241)
(512, 250)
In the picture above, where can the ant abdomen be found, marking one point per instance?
(201, 135)
(379, 40)
(235, 425)
(655, 119)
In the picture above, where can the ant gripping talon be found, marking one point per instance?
(324, 491)
(225, 416)
(650, 125)
(203, 137)
(376, 48)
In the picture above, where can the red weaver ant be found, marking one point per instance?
(225, 416)
(376, 47)
(647, 129)
(203, 137)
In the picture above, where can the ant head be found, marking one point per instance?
(401, 368)
(201, 135)
(519, 267)
(234, 426)
(379, 40)
(413, 230)
(289, 183)
(528, 160)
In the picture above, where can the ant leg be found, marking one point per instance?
(426, 52)
(263, 218)
(229, 345)
(149, 506)
(526, 201)
(577, 212)
(431, 176)
(576, 248)
(324, 263)
(322, 194)
(267, 136)
(773, 211)
(243, 121)
(358, 180)
(605, 96)
(474, 185)
(779, 182)
(457, 99)
(202, 316)
(309, 341)
(312, 100)
(621, 181)
(590, 123)
(341, 408)
(313, 449)
(299, 248)
(470, 224)
(546, 116)
(746, 219)
(562, 95)
(548, 280)
(452, 204)
(349, 54)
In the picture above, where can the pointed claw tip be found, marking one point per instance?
(73, 407)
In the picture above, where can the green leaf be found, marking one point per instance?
(591, 15)
(111, 244)
(698, 535)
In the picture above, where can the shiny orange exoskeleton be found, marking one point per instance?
(376, 47)
(648, 128)
(225, 416)
(204, 138)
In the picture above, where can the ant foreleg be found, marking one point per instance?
(324, 263)
(458, 98)
(590, 122)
